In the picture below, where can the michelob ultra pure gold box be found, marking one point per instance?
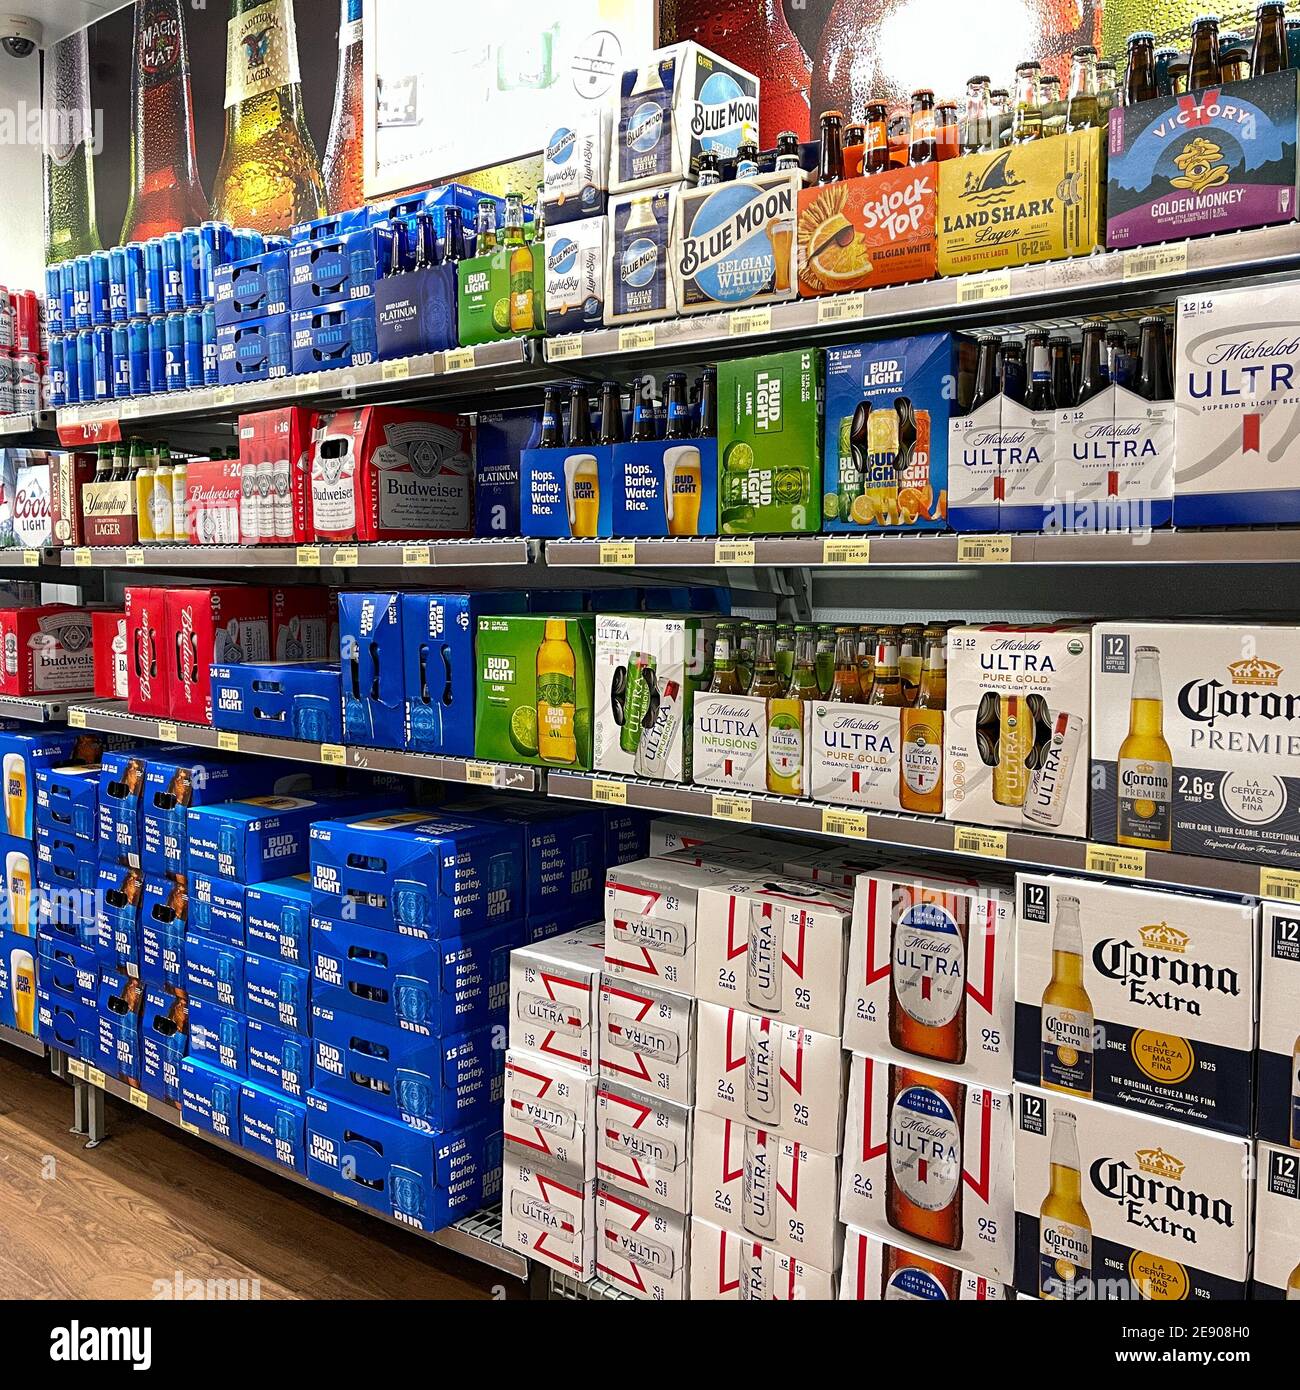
(1042, 201)
(1113, 1204)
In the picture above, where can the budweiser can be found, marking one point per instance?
(26, 310)
(6, 382)
(6, 320)
(27, 383)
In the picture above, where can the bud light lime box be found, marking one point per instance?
(67, 802)
(329, 336)
(219, 1035)
(276, 918)
(333, 268)
(431, 1083)
(1215, 160)
(419, 873)
(567, 491)
(575, 165)
(278, 1058)
(421, 1180)
(370, 646)
(210, 1098)
(273, 1126)
(117, 1039)
(258, 350)
(502, 294)
(885, 455)
(164, 1041)
(682, 101)
(214, 971)
(639, 283)
(296, 700)
(769, 444)
(251, 289)
(217, 907)
(575, 276)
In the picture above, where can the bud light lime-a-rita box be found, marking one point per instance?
(534, 698)
(639, 284)
(567, 491)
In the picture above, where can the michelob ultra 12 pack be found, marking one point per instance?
(888, 1271)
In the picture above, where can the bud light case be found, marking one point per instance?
(121, 792)
(639, 283)
(117, 1042)
(277, 918)
(67, 971)
(119, 892)
(329, 336)
(278, 1058)
(164, 1042)
(370, 649)
(294, 700)
(164, 915)
(276, 992)
(219, 1036)
(273, 1126)
(210, 1098)
(216, 907)
(567, 491)
(21, 754)
(215, 971)
(67, 802)
(333, 268)
(258, 350)
(251, 289)
(735, 243)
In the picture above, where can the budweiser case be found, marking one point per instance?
(641, 1249)
(928, 1158)
(149, 669)
(1279, 1025)
(215, 501)
(727, 1266)
(553, 998)
(1111, 1204)
(647, 1039)
(112, 649)
(876, 1270)
(643, 1145)
(225, 625)
(47, 650)
(1277, 1224)
(275, 448)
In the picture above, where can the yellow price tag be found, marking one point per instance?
(565, 348)
(308, 557)
(95, 1077)
(975, 839)
(225, 395)
(1116, 859)
(993, 284)
(395, 371)
(189, 1128)
(135, 557)
(746, 322)
(637, 339)
(333, 755)
(347, 1201)
(305, 385)
(480, 774)
(458, 360)
(983, 550)
(618, 552)
(228, 742)
(842, 308)
(76, 1068)
(415, 555)
(836, 821)
(733, 553)
(346, 557)
(76, 719)
(138, 1098)
(82, 558)
(32, 559)
(168, 733)
(1142, 263)
(609, 793)
(846, 550)
(1281, 884)
(727, 806)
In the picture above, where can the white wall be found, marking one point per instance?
(22, 238)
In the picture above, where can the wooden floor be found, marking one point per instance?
(152, 1203)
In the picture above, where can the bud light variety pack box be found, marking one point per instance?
(575, 276)
(640, 283)
(888, 405)
(1215, 160)
(575, 165)
(681, 102)
(295, 700)
(47, 650)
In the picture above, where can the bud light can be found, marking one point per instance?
(272, 242)
(157, 355)
(210, 376)
(137, 297)
(71, 385)
(216, 248)
(68, 296)
(54, 299)
(192, 268)
(193, 349)
(102, 357)
(153, 275)
(248, 243)
(137, 332)
(85, 365)
(118, 308)
(175, 347)
(58, 380)
(81, 302)
(100, 312)
(173, 272)
(121, 361)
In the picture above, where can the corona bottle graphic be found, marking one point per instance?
(1064, 1231)
(556, 693)
(927, 987)
(923, 1183)
(15, 778)
(1144, 771)
(1066, 1058)
(269, 176)
(343, 170)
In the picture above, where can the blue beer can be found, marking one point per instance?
(193, 349)
(137, 295)
(58, 377)
(192, 268)
(68, 296)
(81, 293)
(175, 349)
(102, 357)
(173, 272)
(248, 243)
(210, 376)
(121, 361)
(86, 365)
(53, 299)
(71, 382)
(153, 276)
(272, 242)
(118, 309)
(217, 247)
(157, 355)
(137, 332)
(100, 312)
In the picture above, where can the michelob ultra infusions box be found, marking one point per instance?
(1193, 745)
(1138, 998)
(1113, 1204)
(1278, 1115)
(1277, 1224)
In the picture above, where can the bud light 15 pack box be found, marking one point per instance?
(1211, 161)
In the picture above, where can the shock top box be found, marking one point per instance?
(1278, 1118)
(1277, 1224)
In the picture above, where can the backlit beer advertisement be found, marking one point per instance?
(886, 1271)
(1113, 1204)
(927, 1159)
(730, 1267)
(641, 1249)
(1278, 1114)
(1192, 744)
(647, 1040)
(643, 1145)
(1277, 1224)
(1016, 730)
(930, 972)
(1137, 998)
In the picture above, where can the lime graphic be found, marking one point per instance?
(582, 734)
(523, 730)
(501, 315)
(831, 506)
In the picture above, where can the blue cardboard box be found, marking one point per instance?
(277, 916)
(214, 971)
(217, 908)
(164, 914)
(164, 1042)
(666, 487)
(324, 228)
(627, 836)
(501, 437)
(18, 979)
(277, 993)
(117, 1041)
(370, 645)
(251, 289)
(119, 890)
(67, 802)
(21, 754)
(273, 1126)
(65, 1025)
(64, 903)
(326, 267)
(418, 873)
(64, 863)
(567, 491)
(121, 796)
(427, 987)
(417, 312)
(18, 888)
(210, 1098)
(278, 1058)
(329, 336)
(219, 1036)
(425, 1181)
(301, 700)
(255, 351)
(67, 971)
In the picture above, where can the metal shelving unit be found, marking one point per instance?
(387, 555)
(28, 559)
(24, 429)
(24, 1042)
(34, 709)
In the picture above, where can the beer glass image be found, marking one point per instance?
(781, 235)
(18, 881)
(22, 985)
(582, 493)
(683, 482)
(15, 775)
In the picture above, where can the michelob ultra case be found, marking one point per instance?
(886, 1271)
(641, 1249)
(928, 1158)
(1112, 1204)
(1016, 730)
(647, 1040)
(643, 1145)
(730, 1267)
(1192, 748)
(548, 1215)
(1277, 1224)
(1278, 1118)
(729, 742)
(553, 999)
(639, 282)
(1237, 364)
(550, 1113)
(1137, 998)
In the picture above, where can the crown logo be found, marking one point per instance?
(1160, 1164)
(1160, 936)
(1255, 671)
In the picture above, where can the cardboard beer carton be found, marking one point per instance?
(47, 650)
(554, 987)
(729, 742)
(641, 1249)
(567, 491)
(727, 1266)
(575, 165)
(665, 487)
(490, 307)
(877, 1270)
(639, 284)
(643, 1145)
(548, 1216)
(222, 624)
(373, 679)
(1278, 1057)
(550, 1113)
(854, 755)
(277, 446)
(1277, 1224)
(576, 257)
(647, 1039)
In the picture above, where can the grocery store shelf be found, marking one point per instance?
(23, 1041)
(478, 1236)
(898, 831)
(565, 1287)
(111, 717)
(33, 709)
(388, 555)
(13, 558)
(17, 429)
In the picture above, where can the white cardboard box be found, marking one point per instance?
(729, 1267)
(854, 755)
(550, 1113)
(641, 1249)
(644, 1145)
(647, 1039)
(548, 1216)
(1279, 1025)
(554, 986)
(876, 1270)
(1277, 1223)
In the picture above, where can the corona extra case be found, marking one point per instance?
(1278, 1115)
(1195, 744)
(928, 1158)
(1112, 1204)
(1277, 1224)
(876, 1270)
(1137, 998)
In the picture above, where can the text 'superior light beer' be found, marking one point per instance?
(1278, 1061)
(1065, 1235)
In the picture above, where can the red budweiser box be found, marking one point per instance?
(148, 669)
(212, 501)
(381, 473)
(108, 631)
(300, 623)
(47, 650)
(226, 623)
(68, 472)
(275, 453)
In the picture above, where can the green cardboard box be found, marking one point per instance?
(483, 297)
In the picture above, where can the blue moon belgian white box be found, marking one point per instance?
(1277, 1223)
(728, 1266)
(639, 283)
(643, 1145)
(1279, 1025)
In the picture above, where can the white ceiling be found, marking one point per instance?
(62, 17)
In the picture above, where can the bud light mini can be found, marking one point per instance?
(81, 303)
(173, 272)
(137, 333)
(216, 247)
(157, 355)
(175, 341)
(102, 343)
(192, 268)
(85, 365)
(58, 379)
(100, 311)
(68, 296)
(121, 361)
(193, 349)
(54, 299)
(154, 276)
(210, 376)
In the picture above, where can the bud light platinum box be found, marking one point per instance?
(575, 165)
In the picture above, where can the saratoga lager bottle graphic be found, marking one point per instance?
(1064, 1231)
(923, 1184)
(70, 226)
(556, 671)
(343, 169)
(1067, 1010)
(1145, 772)
(269, 177)
(166, 194)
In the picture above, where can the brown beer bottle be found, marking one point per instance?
(923, 1183)
(1062, 377)
(830, 168)
(904, 1275)
(924, 145)
(1204, 68)
(886, 678)
(866, 661)
(1092, 366)
(1234, 56)
(846, 687)
(986, 371)
(929, 930)
(875, 156)
(1153, 383)
(949, 132)
(1140, 74)
(1269, 53)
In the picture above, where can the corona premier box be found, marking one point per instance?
(553, 998)
(641, 1248)
(1238, 360)
(886, 1271)
(550, 1113)
(854, 755)
(1192, 744)
(864, 232)
(1040, 201)
(643, 1145)
(1204, 162)
(1278, 1118)
(647, 1040)
(930, 972)
(1137, 998)
(1277, 1223)
(1016, 732)
(729, 1267)
(928, 1158)
(1111, 1204)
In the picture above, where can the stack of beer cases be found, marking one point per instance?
(414, 915)
(1135, 1092)
(575, 184)
(1277, 1154)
